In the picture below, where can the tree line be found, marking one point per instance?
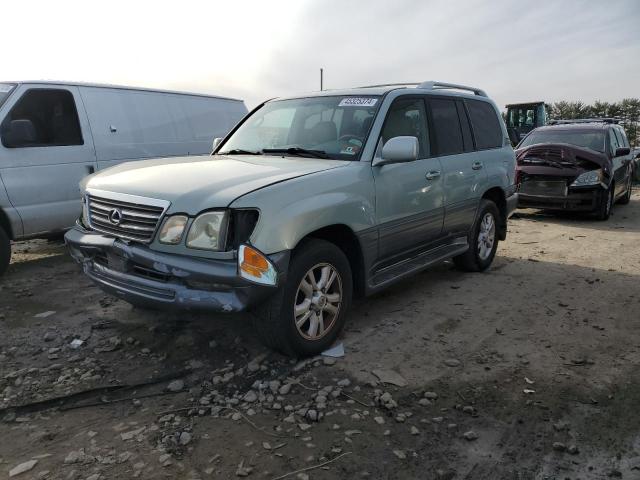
(627, 110)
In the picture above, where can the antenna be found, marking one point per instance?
(321, 83)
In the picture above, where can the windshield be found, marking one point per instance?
(324, 127)
(585, 139)
(5, 90)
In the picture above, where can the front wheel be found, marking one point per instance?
(5, 251)
(307, 315)
(483, 241)
(626, 198)
(606, 204)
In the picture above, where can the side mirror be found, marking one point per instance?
(398, 150)
(622, 151)
(19, 133)
(216, 142)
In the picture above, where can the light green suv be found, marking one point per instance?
(309, 201)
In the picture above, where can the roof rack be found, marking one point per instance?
(585, 120)
(431, 85)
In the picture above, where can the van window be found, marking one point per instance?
(486, 126)
(42, 118)
(446, 125)
(407, 117)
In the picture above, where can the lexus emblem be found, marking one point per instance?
(115, 216)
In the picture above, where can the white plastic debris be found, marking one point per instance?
(336, 351)
(528, 391)
(46, 314)
(76, 343)
(529, 381)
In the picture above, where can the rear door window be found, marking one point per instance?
(467, 139)
(446, 126)
(42, 118)
(485, 124)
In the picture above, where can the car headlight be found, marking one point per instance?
(255, 266)
(592, 177)
(172, 229)
(208, 231)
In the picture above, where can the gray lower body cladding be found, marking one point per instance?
(135, 273)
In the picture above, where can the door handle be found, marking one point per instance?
(432, 174)
(90, 169)
(477, 165)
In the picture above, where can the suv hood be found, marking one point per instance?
(193, 184)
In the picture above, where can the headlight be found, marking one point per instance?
(254, 266)
(593, 177)
(172, 229)
(208, 231)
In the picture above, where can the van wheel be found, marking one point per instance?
(5, 251)
(606, 203)
(626, 198)
(483, 241)
(306, 316)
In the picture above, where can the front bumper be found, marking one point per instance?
(143, 276)
(576, 200)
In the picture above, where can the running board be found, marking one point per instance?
(405, 268)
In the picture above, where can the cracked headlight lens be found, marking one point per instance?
(593, 177)
(172, 229)
(208, 231)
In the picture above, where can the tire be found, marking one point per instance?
(275, 320)
(626, 198)
(606, 204)
(479, 257)
(5, 251)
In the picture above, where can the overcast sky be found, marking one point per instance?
(516, 51)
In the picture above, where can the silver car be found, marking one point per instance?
(307, 202)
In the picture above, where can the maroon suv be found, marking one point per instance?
(578, 166)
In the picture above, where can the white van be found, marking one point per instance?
(54, 134)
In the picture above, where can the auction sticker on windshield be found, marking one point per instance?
(357, 102)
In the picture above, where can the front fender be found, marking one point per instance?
(292, 209)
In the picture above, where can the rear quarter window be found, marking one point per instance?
(485, 124)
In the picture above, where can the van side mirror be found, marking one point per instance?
(216, 142)
(398, 150)
(622, 151)
(19, 133)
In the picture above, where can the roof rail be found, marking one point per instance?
(585, 120)
(431, 85)
(390, 85)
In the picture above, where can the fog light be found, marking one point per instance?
(254, 266)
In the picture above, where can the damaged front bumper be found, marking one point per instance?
(139, 275)
(576, 200)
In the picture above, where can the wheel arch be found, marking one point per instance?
(346, 240)
(497, 196)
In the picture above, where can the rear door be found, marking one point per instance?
(409, 195)
(46, 149)
(620, 164)
(463, 169)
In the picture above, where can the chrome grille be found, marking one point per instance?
(137, 221)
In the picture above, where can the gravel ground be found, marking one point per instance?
(527, 371)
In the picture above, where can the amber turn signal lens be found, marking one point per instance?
(255, 266)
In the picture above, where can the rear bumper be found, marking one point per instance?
(142, 276)
(576, 200)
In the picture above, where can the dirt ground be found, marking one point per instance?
(527, 371)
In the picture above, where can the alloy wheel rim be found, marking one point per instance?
(486, 236)
(317, 301)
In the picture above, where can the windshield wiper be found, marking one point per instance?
(240, 151)
(302, 152)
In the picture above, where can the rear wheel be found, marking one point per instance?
(606, 203)
(307, 315)
(626, 198)
(5, 251)
(483, 241)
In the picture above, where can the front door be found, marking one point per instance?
(46, 149)
(409, 195)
